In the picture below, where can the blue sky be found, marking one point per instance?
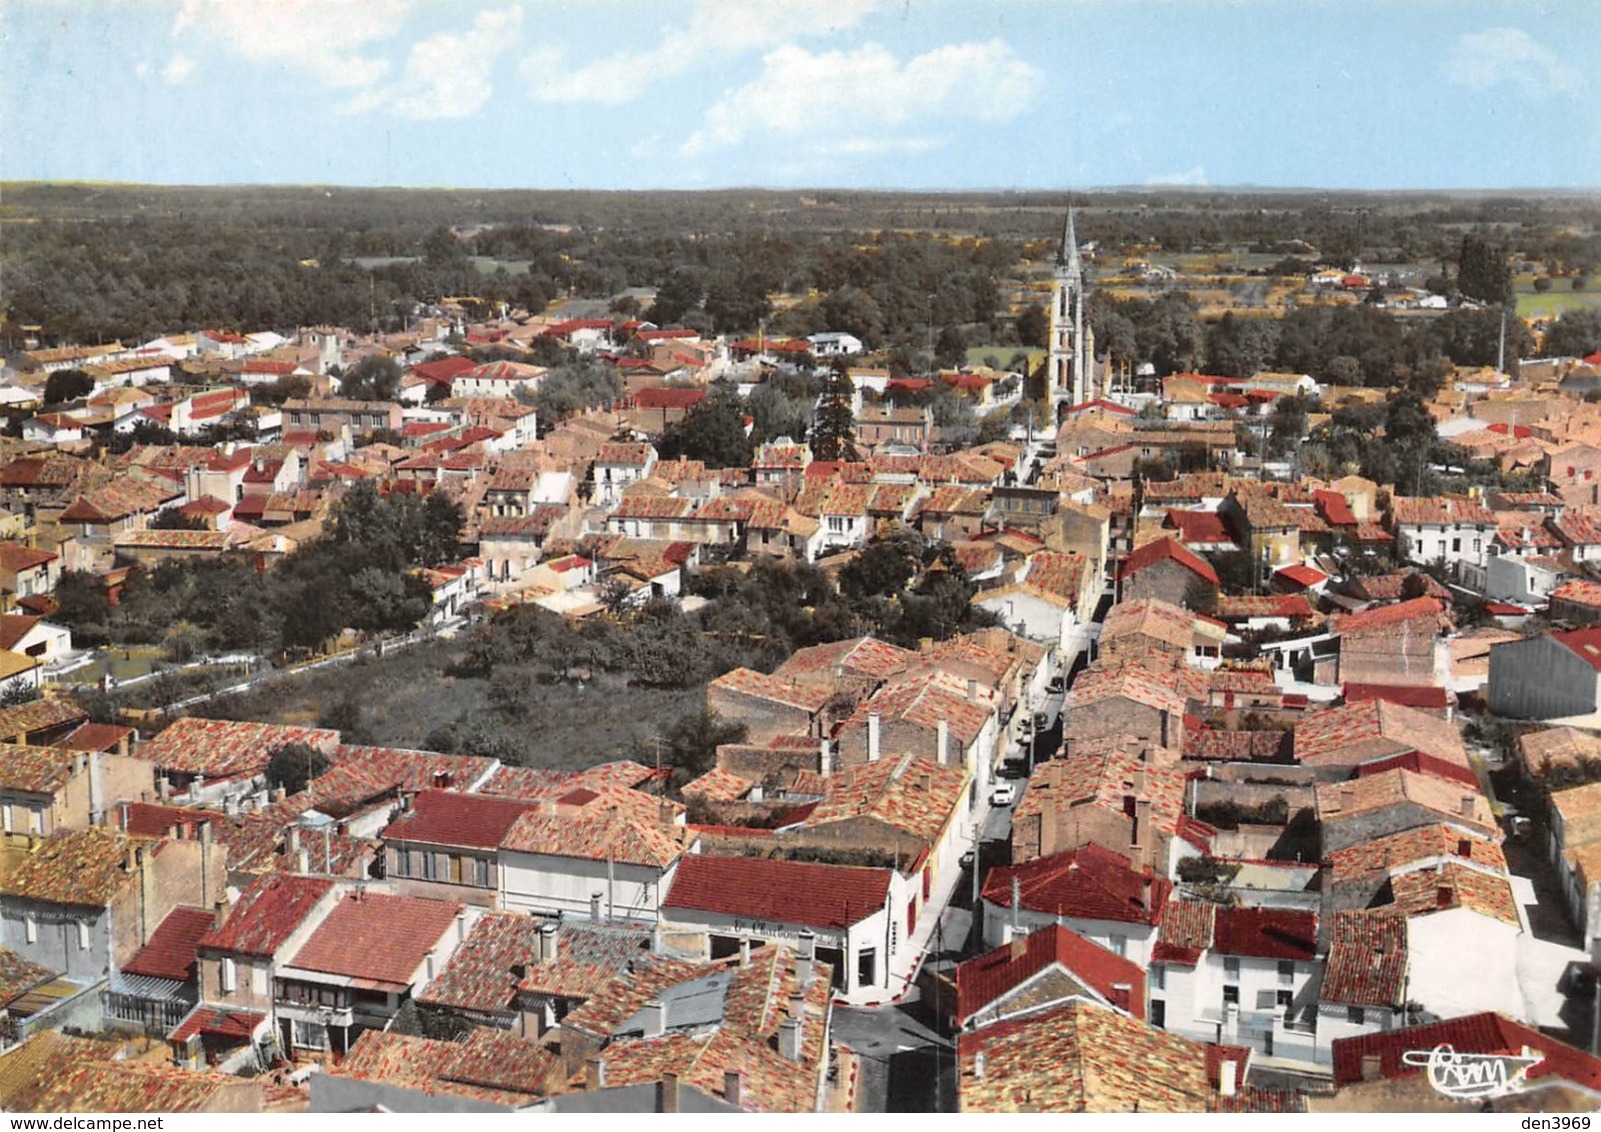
(1047, 94)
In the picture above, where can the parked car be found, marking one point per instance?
(1004, 794)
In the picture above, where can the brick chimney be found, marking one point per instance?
(733, 1086)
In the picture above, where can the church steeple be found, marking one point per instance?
(1067, 254)
(1068, 361)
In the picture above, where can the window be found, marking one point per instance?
(1456, 546)
(1286, 1005)
(1118, 945)
(1231, 995)
(230, 976)
(1286, 972)
(481, 873)
(1158, 975)
(1231, 968)
(1355, 1015)
(427, 866)
(258, 980)
(1158, 1013)
(402, 862)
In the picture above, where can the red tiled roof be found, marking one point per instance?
(1386, 616)
(1473, 1033)
(267, 914)
(237, 1025)
(1584, 643)
(170, 953)
(1303, 576)
(378, 937)
(1161, 550)
(1334, 508)
(443, 817)
(1265, 933)
(1367, 959)
(1420, 696)
(1199, 526)
(1088, 882)
(787, 892)
(980, 981)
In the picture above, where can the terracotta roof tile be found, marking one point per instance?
(266, 914)
(378, 937)
(221, 748)
(83, 867)
(1367, 959)
(1082, 1058)
(832, 897)
(1088, 882)
(441, 817)
(170, 951)
(981, 981)
(1473, 1033)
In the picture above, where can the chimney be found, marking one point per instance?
(123, 809)
(669, 1097)
(824, 757)
(1017, 900)
(441, 780)
(943, 732)
(872, 736)
(548, 945)
(163, 787)
(1467, 804)
(219, 913)
(733, 1086)
(1371, 1067)
(1019, 947)
(303, 862)
(461, 926)
(1142, 822)
(789, 1039)
(292, 840)
(1227, 1084)
(655, 1015)
(744, 952)
(594, 906)
(978, 1066)
(972, 690)
(595, 1073)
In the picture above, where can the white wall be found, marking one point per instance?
(537, 882)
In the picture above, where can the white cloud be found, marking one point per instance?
(717, 30)
(1195, 177)
(867, 100)
(1483, 59)
(448, 76)
(178, 68)
(324, 37)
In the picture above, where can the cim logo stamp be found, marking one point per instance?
(1473, 1076)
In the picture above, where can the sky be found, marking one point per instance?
(877, 94)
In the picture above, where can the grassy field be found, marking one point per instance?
(1558, 299)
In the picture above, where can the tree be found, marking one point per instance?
(885, 567)
(951, 347)
(1033, 327)
(1576, 334)
(574, 386)
(373, 378)
(712, 431)
(294, 765)
(67, 385)
(833, 435)
(693, 740)
(1483, 273)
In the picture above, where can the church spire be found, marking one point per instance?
(1067, 255)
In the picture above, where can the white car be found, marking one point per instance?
(1004, 794)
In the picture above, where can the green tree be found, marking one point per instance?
(1575, 334)
(294, 765)
(884, 567)
(1483, 272)
(573, 386)
(833, 435)
(712, 431)
(67, 385)
(373, 378)
(950, 349)
(692, 741)
(1033, 327)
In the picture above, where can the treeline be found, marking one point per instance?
(1343, 345)
(360, 575)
